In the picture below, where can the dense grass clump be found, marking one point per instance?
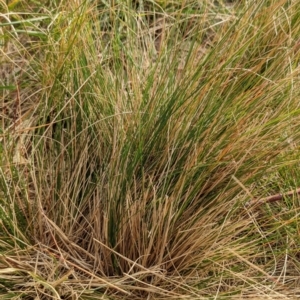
(140, 144)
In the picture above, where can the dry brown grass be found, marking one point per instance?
(133, 139)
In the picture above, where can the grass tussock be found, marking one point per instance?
(134, 135)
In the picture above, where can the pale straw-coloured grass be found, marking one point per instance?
(135, 139)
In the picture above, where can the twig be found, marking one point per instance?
(273, 198)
